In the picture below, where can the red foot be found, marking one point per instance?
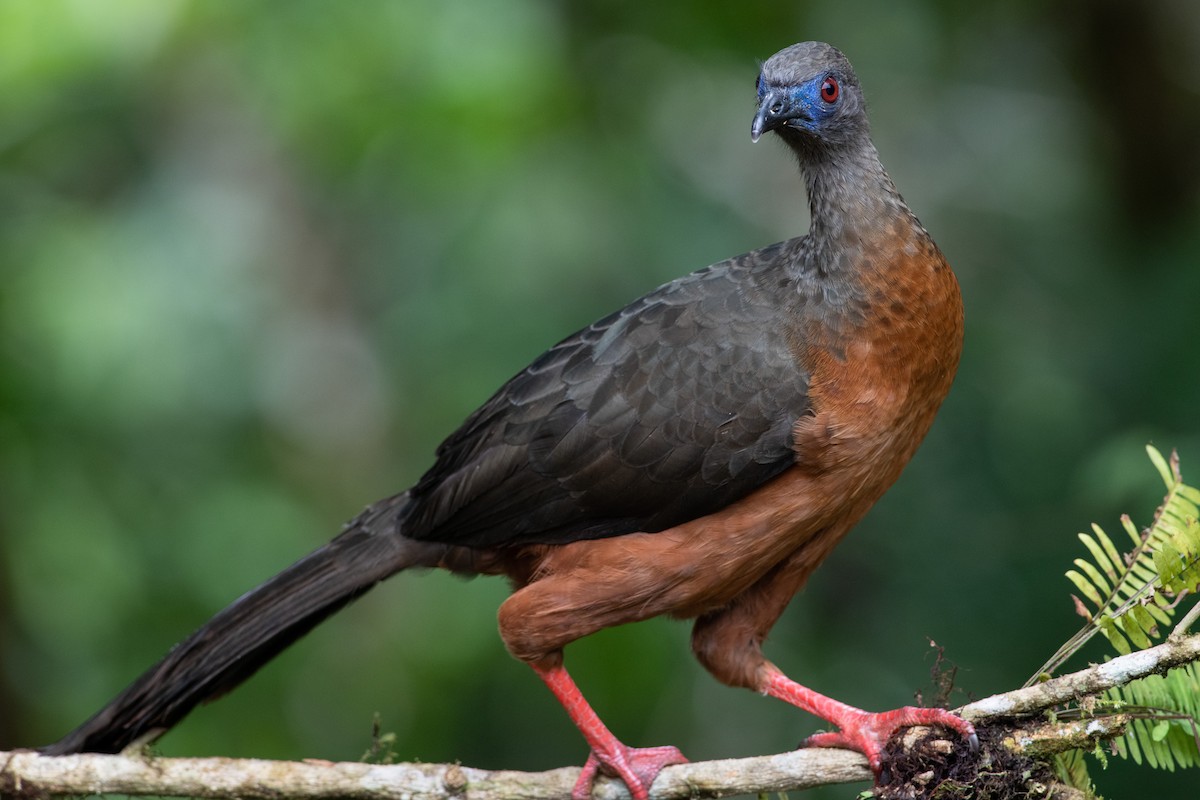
(868, 733)
(636, 766)
(860, 730)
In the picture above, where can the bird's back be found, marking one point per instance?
(666, 410)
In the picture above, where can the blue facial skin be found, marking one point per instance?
(797, 106)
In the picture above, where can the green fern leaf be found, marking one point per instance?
(1094, 576)
(1160, 463)
(1101, 556)
(1136, 634)
(1110, 549)
(1072, 769)
(1085, 586)
(1111, 632)
(1133, 597)
(1166, 732)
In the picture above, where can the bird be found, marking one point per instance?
(695, 454)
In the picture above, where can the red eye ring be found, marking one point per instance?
(830, 90)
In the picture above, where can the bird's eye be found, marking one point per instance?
(830, 90)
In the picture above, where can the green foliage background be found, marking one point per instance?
(256, 259)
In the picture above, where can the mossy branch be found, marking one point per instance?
(25, 774)
(32, 775)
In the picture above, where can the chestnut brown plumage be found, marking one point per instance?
(697, 454)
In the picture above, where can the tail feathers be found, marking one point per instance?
(235, 643)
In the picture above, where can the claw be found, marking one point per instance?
(636, 766)
(868, 733)
(860, 730)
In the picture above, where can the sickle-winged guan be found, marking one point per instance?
(697, 454)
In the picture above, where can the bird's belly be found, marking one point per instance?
(703, 564)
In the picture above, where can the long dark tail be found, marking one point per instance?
(235, 643)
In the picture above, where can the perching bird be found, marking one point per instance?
(697, 453)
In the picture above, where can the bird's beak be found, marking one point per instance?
(774, 111)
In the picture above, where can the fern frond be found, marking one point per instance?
(1133, 600)
(1134, 596)
(1166, 708)
(1072, 769)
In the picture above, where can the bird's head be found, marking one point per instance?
(808, 94)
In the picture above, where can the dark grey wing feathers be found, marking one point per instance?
(667, 410)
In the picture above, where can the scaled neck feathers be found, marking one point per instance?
(853, 203)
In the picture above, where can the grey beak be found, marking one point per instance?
(758, 126)
(774, 111)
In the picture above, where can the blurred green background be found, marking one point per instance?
(257, 259)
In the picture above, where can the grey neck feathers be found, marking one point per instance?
(853, 203)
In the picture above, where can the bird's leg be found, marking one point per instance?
(636, 766)
(728, 643)
(860, 730)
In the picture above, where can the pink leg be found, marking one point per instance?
(860, 730)
(637, 767)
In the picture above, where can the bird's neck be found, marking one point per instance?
(853, 203)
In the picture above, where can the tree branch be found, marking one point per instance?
(1093, 680)
(30, 774)
(34, 775)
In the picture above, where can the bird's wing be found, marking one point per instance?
(665, 411)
